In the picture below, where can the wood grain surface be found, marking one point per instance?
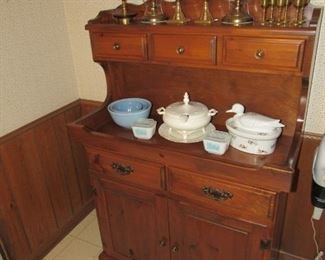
(44, 185)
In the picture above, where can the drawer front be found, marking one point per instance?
(126, 170)
(263, 53)
(183, 48)
(239, 201)
(119, 46)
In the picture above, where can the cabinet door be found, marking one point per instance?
(199, 234)
(133, 223)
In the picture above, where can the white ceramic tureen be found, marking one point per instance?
(186, 121)
(186, 115)
(252, 132)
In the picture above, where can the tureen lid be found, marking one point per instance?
(187, 107)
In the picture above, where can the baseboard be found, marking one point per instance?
(287, 256)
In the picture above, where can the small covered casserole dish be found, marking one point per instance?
(144, 128)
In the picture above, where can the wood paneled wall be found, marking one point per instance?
(45, 191)
(44, 184)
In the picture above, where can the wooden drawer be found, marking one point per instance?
(263, 53)
(119, 46)
(183, 48)
(234, 200)
(126, 170)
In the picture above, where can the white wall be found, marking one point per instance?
(90, 76)
(316, 104)
(36, 69)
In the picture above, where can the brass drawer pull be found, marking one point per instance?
(259, 54)
(216, 194)
(122, 170)
(180, 50)
(116, 46)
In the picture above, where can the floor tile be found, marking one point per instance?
(58, 248)
(91, 234)
(79, 250)
(83, 242)
(93, 212)
(82, 225)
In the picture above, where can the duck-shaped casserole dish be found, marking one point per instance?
(252, 132)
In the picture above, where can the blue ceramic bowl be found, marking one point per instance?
(126, 111)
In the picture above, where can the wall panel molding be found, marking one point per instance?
(38, 121)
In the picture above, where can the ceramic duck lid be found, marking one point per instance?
(252, 121)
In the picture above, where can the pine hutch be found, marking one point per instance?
(151, 195)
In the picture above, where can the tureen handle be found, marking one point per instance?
(161, 110)
(212, 112)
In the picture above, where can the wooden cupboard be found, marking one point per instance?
(158, 199)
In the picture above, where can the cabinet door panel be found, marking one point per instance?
(197, 234)
(135, 223)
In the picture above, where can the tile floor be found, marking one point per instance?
(82, 243)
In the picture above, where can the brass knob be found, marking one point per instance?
(259, 54)
(116, 46)
(162, 242)
(174, 248)
(180, 50)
